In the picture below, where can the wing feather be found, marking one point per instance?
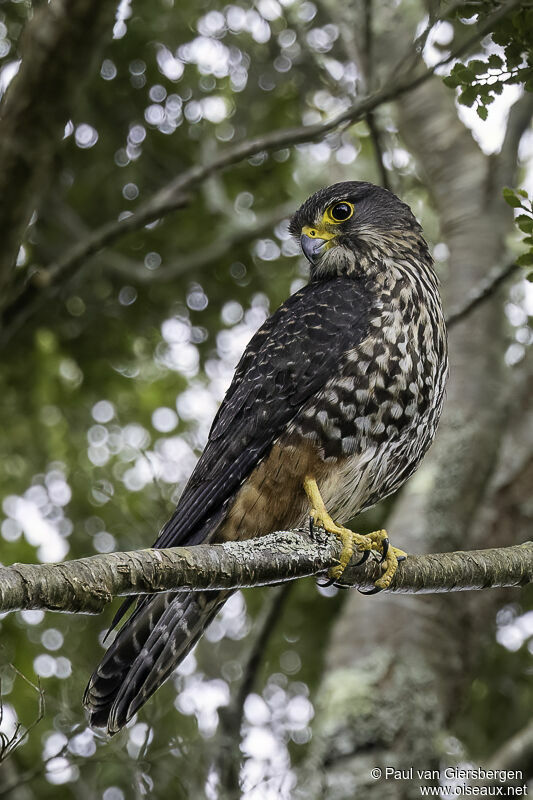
(288, 360)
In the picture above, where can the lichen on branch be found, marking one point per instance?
(87, 585)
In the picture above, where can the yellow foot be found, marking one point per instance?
(377, 540)
(394, 555)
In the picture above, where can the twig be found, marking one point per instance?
(235, 234)
(368, 61)
(516, 753)
(86, 585)
(43, 766)
(375, 135)
(480, 293)
(202, 258)
(31, 774)
(8, 745)
(174, 194)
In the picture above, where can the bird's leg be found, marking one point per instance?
(377, 540)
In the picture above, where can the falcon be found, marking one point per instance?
(331, 408)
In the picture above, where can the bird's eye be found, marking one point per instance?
(339, 212)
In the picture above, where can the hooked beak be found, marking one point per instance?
(312, 247)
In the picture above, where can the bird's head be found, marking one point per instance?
(351, 225)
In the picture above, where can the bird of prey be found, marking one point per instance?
(331, 408)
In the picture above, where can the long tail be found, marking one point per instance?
(158, 635)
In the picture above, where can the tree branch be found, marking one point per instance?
(375, 135)
(87, 584)
(200, 259)
(58, 48)
(516, 752)
(175, 194)
(484, 291)
(368, 61)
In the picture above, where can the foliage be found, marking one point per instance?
(507, 60)
(481, 80)
(518, 199)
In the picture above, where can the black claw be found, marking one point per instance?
(327, 583)
(385, 545)
(364, 558)
(401, 558)
(311, 531)
(375, 590)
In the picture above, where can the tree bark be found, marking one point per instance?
(87, 585)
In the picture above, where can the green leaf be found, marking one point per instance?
(477, 66)
(468, 96)
(453, 81)
(495, 61)
(464, 72)
(525, 223)
(525, 260)
(521, 193)
(482, 112)
(514, 56)
(511, 199)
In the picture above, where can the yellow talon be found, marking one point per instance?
(350, 540)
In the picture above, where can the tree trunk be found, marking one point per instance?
(59, 49)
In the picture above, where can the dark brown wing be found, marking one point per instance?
(287, 361)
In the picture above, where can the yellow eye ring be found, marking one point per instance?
(339, 212)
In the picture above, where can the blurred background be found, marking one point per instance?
(114, 363)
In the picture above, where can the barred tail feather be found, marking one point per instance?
(156, 638)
